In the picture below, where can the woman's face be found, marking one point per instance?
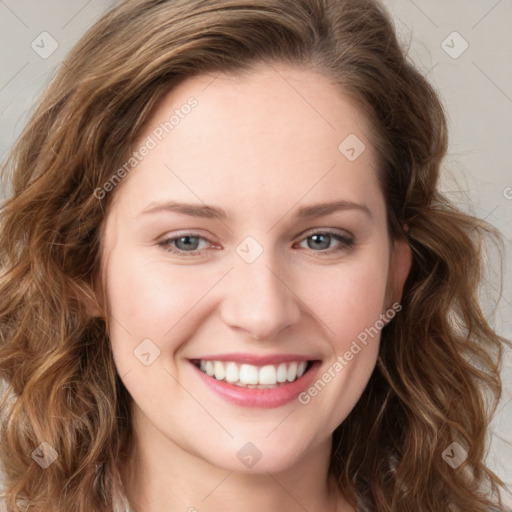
(249, 242)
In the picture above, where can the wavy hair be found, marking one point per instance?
(437, 377)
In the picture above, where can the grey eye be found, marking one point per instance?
(319, 241)
(185, 243)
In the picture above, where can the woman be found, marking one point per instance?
(229, 277)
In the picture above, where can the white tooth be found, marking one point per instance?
(210, 369)
(220, 371)
(268, 374)
(202, 365)
(232, 372)
(248, 374)
(292, 372)
(301, 369)
(282, 372)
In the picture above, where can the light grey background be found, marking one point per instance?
(475, 84)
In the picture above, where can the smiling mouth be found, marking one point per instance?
(252, 376)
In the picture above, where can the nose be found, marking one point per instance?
(259, 300)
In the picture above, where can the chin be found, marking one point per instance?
(276, 454)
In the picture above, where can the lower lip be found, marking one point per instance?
(262, 398)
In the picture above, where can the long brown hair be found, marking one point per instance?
(437, 377)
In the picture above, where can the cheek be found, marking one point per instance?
(353, 299)
(150, 299)
(351, 306)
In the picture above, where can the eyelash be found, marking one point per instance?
(346, 243)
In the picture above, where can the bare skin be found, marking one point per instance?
(259, 149)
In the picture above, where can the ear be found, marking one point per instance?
(399, 267)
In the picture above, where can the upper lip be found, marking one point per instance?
(255, 359)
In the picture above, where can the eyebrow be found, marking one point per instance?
(211, 212)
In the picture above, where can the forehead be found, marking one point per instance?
(262, 102)
(276, 133)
